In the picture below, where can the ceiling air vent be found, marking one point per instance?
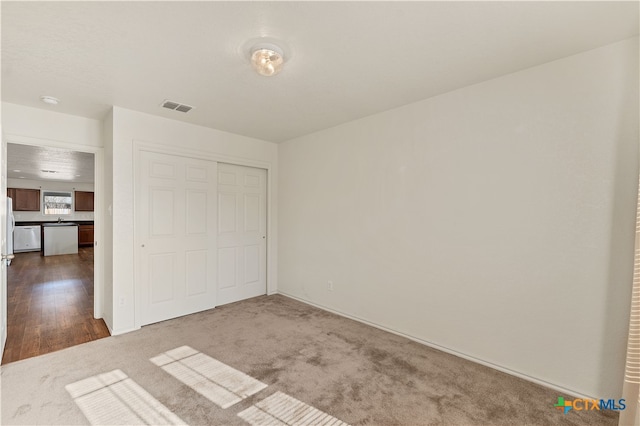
(176, 106)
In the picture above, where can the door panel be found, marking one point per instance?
(161, 212)
(196, 272)
(226, 267)
(161, 273)
(242, 203)
(197, 174)
(197, 212)
(162, 170)
(252, 263)
(227, 207)
(252, 213)
(176, 215)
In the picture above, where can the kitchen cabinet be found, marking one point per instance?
(85, 235)
(84, 201)
(24, 200)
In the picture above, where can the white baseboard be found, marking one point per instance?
(562, 390)
(119, 332)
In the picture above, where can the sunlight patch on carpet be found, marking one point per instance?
(114, 399)
(216, 381)
(281, 409)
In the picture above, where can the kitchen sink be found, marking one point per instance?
(60, 224)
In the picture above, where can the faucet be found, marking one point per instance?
(59, 219)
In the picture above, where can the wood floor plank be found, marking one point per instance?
(50, 304)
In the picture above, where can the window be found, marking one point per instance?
(56, 202)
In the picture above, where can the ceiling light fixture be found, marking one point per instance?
(49, 100)
(267, 59)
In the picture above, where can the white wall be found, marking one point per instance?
(130, 126)
(496, 221)
(50, 186)
(49, 125)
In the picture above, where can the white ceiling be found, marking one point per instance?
(345, 60)
(51, 164)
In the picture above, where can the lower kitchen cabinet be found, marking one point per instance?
(85, 235)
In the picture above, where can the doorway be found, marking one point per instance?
(52, 300)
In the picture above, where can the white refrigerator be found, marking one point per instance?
(11, 222)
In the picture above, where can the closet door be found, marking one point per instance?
(242, 227)
(176, 236)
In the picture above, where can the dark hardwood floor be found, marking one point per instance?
(50, 304)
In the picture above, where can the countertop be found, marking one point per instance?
(41, 223)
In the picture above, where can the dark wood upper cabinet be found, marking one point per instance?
(24, 200)
(84, 201)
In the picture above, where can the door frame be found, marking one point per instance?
(3, 245)
(98, 219)
(271, 259)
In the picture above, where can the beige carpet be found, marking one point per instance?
(320, 361)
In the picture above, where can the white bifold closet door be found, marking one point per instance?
(242, 227)
(176, 216)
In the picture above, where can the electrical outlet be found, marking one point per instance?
(330, 285)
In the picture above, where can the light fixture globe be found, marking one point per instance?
(267, 59)
(50, 100)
